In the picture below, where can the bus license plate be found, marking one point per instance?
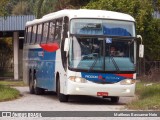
(102, 93)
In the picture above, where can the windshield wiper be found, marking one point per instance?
(93, 64)
(114, 62)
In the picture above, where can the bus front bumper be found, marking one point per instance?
(94, 89)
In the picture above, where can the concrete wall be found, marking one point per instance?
(18, 57)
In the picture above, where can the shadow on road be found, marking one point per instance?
(90, 100)
(81, 100)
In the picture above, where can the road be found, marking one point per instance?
(50, 102)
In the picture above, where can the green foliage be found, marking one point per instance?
(6, 52)
(152, 40)
(3, 7)
(43, 7)
(7, 93)
(21, 8)
(156, 5)
(74, 4)
(142, 11)
(16, 7)
(148, 97)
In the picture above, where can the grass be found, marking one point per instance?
(12, 83)
(148, 97)
(8, 93)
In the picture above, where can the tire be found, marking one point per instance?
(61, 97)
(114, 99)
(37, 90)
(31, 84)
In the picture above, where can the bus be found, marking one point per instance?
(81, 52)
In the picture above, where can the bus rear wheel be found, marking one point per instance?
(61, 97)
(31, 84)
(37, 90)
(114, 99)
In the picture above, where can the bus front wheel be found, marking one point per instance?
(61, 97)
(37, 90)
(114, 99)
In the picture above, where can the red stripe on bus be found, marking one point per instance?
(126, 75)
(50, 47)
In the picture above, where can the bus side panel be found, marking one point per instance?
(25, 66)
(44, 64)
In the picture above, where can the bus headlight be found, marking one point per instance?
(77, 79)
(127, 82)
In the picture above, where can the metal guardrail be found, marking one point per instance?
(6, 69)
(145, 67)
(149, 70)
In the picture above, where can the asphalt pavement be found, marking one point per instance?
(50, 102)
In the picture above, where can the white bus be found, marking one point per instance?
(81, 52)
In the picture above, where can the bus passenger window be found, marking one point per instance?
(29, 34)
(39, 32)
(34, 31)
(45, 32)
(58, 30)
(51, 31)
(26, 33)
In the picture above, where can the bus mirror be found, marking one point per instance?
(66, 44)
(140, 37)
(141, 47)
(141, 50)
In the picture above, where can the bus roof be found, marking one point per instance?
(83, 13)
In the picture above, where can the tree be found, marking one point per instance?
(3, 7)
(43, 7)
(156, 4)
(22, 8)
(74, 4)
(6, 52)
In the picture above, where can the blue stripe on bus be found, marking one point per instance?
(102, 77)
(44, 64)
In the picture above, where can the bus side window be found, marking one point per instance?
(34, 34)
(26, 33)
(51, 31)
(39, 33)
(45, 32)
(58, 30)
(29, 34)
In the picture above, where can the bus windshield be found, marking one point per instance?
(102, 27)
(101, 54)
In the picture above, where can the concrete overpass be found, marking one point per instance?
(14, 26)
